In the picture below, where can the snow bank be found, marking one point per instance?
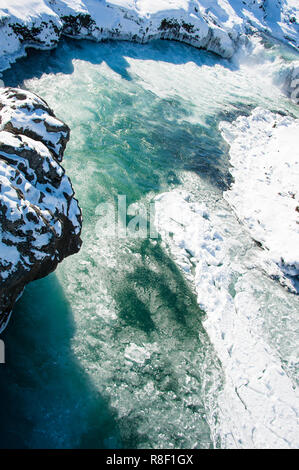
(264, 156)
(214, 25)
(259, 407)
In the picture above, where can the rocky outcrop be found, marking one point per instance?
(40, 220)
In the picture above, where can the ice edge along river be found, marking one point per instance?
(260, 403)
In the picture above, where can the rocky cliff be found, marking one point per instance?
(40, 221)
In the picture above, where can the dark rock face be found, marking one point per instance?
(40, 220)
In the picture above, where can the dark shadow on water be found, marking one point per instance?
(155, 303)
(46, 398)
(160, 277)
(113, 53)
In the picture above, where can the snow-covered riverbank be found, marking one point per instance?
(259, 406)
(265, 159)
(213, 25)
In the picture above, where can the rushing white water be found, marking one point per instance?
(144, 120)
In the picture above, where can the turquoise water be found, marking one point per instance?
(143, 120)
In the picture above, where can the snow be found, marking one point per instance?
(211, 24)
(259, 406)
(31, 115)
(25, 10)
(264, 156)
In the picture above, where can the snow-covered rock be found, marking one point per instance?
(288, 79)
(258, 406)
(214, 25)
(264, 156)
(40, 221)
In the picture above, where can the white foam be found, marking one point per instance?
(136, 353)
